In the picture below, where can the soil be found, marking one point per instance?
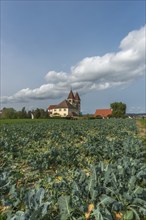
(141, 129)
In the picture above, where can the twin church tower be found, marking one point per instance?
(74, 100)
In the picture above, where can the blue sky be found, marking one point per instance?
(94, 47)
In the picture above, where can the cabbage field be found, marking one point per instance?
(72, 170)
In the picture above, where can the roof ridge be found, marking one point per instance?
(65, 104)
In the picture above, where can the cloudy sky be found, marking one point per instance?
(94, 47)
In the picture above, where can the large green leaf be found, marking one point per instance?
(97, 214)
(64, 206)
(92, 180)
(128, 215)
(106, 200)
(135, 212)
(19, 216)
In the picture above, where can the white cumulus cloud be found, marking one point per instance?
(94, 73)
(55, 77)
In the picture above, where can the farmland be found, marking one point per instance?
(72, 170)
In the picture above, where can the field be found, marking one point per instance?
(72, 170)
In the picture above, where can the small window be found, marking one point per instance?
(64, 114)
(54, 110)
(64, 109)
(60, 109)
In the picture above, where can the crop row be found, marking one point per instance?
(61, 169)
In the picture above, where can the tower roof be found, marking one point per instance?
(71, 95)
(77, 97)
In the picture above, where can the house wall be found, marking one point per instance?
(63, 112)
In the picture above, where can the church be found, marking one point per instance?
(69, 107)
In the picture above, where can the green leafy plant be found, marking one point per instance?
(59, 169)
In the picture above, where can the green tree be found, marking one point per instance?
(9, 113)
(40, 113)
(22, 113)
(36, 113)
(29, 114)
(119, 109)
(43, 113)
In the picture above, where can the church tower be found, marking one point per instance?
(77, 102)
(71, 98)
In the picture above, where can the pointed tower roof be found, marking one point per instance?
(77, 97)
(71, 95)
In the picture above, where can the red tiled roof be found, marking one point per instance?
(77, 97)
(71, 95)
(103, 112)
(65, 104)
(51, 107)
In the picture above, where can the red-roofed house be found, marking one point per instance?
(104, 113)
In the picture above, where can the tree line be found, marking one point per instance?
(119, 111)
(11, 113)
